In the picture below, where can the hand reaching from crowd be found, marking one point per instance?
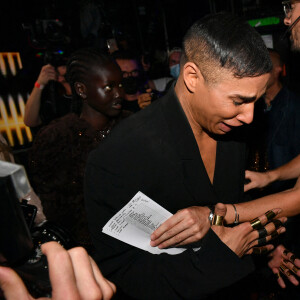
(145, 99)
(284, 264)
(250, 237)
(73, 275)
(191, 224)
(257, 180)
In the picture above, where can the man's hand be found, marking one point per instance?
(257, 180)
(47, 73)
(73, 275)
(289, 264)
(242, 239)
(145, 99)
(187, 226)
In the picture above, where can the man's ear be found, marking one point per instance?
(192, 76)
(80, 89)
(279, 70)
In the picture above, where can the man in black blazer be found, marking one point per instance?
(185, 152)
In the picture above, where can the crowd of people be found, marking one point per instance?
(192, 142)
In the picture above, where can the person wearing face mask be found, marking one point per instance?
(135, 83)
(162, 84)
(59, 152)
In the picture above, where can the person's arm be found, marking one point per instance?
(287, 171)
(33, 103)
(288, 201)
(160, 276)
(73, 275)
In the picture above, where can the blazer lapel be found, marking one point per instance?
(193, 171)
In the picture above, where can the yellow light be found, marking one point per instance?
(11, 121)
(9, 57)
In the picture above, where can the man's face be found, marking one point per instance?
(174, 58)
(229, 103)
(289, 20)
(129, 67)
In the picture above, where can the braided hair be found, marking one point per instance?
(80, 66)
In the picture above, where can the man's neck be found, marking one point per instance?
(271, 92)
(182, 97)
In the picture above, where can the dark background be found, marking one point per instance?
(148, 26)
(39, 29)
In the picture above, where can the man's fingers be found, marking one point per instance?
(219, 214)
(291, 257)
(259, 222)
(291, 267)
(249, 186)
(12, 285)
(86, 283)
(284, 270)
(220, 209)
(108, 288)
(261, 241)
(279, 278)
(187, 236)
(164, 231)
(61, 271)
(260, 250)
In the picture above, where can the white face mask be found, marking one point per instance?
(175, 70)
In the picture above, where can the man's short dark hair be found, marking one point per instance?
(226, 41)
(125, 54)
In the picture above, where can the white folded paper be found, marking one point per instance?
(136, 221)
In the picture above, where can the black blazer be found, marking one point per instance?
(155, 152)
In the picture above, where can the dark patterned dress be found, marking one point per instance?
(56, 169)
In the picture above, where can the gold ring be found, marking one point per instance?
(295, 269)
(270, 215)
(284, 270)
(256, 224)
(218, 220)
(278, 275)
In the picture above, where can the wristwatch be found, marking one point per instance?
(211, 213)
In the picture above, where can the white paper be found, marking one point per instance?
(136, 221)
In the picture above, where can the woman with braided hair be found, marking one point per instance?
(60, 149)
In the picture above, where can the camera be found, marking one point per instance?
(49, 36)
(20, 240)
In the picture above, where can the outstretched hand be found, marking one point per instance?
(285, 263)
(187, 226)
(145, 99)
(73, 275)
(257, 180)
(244, 239)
